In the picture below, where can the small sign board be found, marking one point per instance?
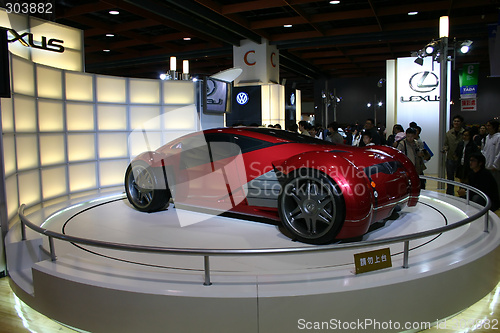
(372, 260)
(469, 104)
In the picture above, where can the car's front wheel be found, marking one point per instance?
(144, 187)
(311, 207)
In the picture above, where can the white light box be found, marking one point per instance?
(111, 117)
(111, 89)
(23, 76)
(25, 114)
(144, 91)
(49, 82)
(29, 188)
(52, 149)
(82, 177)
(81, 147)
(50, 116)
(79, 87)
(54, 182)
(80, 117)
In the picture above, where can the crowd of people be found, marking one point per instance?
(472, 152)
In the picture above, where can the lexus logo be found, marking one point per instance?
(424, 82)
(242, 98)
(211, 87)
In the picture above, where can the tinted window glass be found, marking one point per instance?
(289, 136)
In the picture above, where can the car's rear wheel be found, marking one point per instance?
(311, 207)
(144, 187)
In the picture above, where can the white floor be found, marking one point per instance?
(253, 289)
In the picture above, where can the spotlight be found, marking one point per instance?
(419, 61)
(431, 48)
(465, 46)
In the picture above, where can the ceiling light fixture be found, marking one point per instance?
(114, 12)
(288, 26)
(106, 50)
(465, 46)
(412, 13)
(444, 26)
(187, 38)
(334, 2)
(110, 35)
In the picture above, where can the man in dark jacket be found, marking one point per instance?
(482, 179)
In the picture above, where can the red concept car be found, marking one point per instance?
(317, 190)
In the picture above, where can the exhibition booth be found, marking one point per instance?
(67, 139)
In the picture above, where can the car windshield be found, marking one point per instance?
(288, 136)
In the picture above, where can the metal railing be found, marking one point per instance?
(207, 253)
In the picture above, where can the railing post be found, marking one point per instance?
(207, 272)
(467, 196)
(23, 230)
(406, 254)
(52, 249)
(486, 222)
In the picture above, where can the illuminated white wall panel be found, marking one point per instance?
(82, 177)
(81, 147)
(111, 89)
(80, 117)
(145, 117)
(108, 172)
(112, 145)
(9, 154)
(23, 81)
(111, 117)
(178, 92)
(12, 193)
(298, 105)
(27, 151)
(54, 182)
(52, 149)
(66, 133)
(410, 107)
(140, 141)
(29, 187)
(25, 114)
(49, 82)
(79, 87)
(7, 115)
(144, 91)
(180, 118)
(273, 104)
(50, 116)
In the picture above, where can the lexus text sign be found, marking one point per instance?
(43, 42)
(418, 95)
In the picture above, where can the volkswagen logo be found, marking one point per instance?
(242, 98)
(424, 82)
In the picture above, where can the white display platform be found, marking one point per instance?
(102, 290)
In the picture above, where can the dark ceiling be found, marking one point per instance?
(350, 39)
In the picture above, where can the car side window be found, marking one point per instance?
(194, 152)
(221, 146)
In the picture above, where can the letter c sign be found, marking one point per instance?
(245, 58)
(272, 59)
